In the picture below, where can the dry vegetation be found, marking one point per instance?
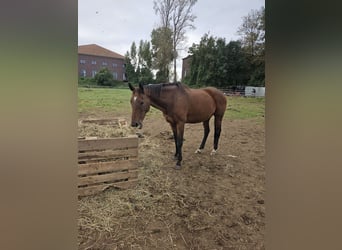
(212, 203)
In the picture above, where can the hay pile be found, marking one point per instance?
(103, 130)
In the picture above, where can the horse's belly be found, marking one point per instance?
(201, 108)
(200, 114)
(196, 119)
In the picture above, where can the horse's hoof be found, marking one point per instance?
(177, 167)
(198, 151)
(213, 152)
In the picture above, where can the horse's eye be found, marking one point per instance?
(142, 103)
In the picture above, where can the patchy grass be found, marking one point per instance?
(92, 100)
(245, 108)
(100, 100)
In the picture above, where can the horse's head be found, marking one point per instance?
(140, 105)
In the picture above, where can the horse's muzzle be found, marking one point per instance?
(136, 125)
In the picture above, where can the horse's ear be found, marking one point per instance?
(130, 86)
(141, 86)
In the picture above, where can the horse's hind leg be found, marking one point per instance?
(218, 123)
(205, 136)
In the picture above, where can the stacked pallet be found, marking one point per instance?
(107, 162)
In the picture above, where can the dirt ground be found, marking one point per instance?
(213, 202)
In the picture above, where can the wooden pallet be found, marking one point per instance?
(105, 163)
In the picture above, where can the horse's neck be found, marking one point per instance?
(162, 101)
(158, 103)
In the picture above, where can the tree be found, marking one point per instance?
(139, 63)
(237, 64)
(202, 61)
(145, 54)
(133, 56)
(252, 32)
(131, 75)
(216, 63)
(145, 62)
(177, 16)
(161, 39)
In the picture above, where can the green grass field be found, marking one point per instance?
(98, 100)
(92, 100)
(245, 107)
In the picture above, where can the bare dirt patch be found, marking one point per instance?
(213, 202)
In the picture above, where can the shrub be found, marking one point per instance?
(104, 77)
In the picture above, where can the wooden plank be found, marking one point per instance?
(108, 143)
(92, 155)
(81, 162)
(91, 190)
(87, 138)
(101, 167)
(92, 179)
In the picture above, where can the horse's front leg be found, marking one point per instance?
(174, 130)
(179, 143)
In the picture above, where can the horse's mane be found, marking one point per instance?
(155, 89)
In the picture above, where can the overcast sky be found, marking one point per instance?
(115, 24)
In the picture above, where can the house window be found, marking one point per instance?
(115, 75)
(124, 76)
(115, 65)
(104, 64)
(93, 73)
(93, 62)
(83, 73)
(82, 61)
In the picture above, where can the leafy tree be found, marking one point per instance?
(145, 54)
(216, 63)
(133, 55)
(177, 16)
(131, 74)
(145, 62)
(237, 64)
(104, 77)
(139, 63)
(161, 39)
(202, 61)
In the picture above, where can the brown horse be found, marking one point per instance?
(180, 105)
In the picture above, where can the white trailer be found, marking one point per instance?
(254, 91)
